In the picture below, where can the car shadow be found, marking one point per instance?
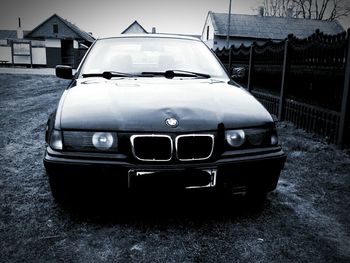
(169, 208)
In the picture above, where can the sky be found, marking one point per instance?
(110, 17)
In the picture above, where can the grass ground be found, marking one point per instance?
(306, 219)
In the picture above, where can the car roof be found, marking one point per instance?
(152, 36)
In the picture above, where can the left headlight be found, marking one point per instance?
(253, 137)
(235, 138)
(258, 136)
(90, 141)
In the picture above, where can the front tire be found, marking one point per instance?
(58, 187)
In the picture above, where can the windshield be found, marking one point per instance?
(137, 55)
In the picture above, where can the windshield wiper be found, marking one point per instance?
(108, 74)
(169, 74)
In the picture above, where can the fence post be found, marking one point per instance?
(225, 59)
(285, 75)
(344, 113)
(230, 60)
(31, 53)
(12, 53)
(251, 68)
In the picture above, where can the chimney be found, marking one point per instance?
(19, 29)
(154, 30)
(261, 11)
(289, 12)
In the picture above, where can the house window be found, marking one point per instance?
(207, 32)
(55, 28)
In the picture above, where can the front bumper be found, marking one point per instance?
(247, 169)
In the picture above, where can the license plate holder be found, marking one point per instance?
(187, 179)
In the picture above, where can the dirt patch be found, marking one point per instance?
(306, 219)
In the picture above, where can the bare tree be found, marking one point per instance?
(310, 9)
(278, 7)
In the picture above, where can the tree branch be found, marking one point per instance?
(311, 9)
(323, 9)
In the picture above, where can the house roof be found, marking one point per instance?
(267, 27)
(135, 23)
(81, 33)
(185, 35)
(10, 34)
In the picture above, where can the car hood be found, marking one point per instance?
(144, 104)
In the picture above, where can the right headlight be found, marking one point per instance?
(102, 140)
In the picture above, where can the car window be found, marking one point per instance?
(136, 55)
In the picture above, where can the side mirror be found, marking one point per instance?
(64, 72)
(238, 73)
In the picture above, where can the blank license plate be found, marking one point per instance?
(188, 179)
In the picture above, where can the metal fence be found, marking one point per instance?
(305, 81)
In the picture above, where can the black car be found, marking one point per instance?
(151, 112)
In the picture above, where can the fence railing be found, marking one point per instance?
(313, 119)
(305, 81)
(270, 101)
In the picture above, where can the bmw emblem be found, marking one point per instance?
(171, 122)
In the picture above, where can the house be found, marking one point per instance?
(135, 28)
(54, 41)
(64, 41)
(245, 29)
(6, 38)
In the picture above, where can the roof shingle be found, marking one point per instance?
(10, 34)
(267, 27)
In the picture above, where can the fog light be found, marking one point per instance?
(102, 140)
(235, 138)
(56, 140)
